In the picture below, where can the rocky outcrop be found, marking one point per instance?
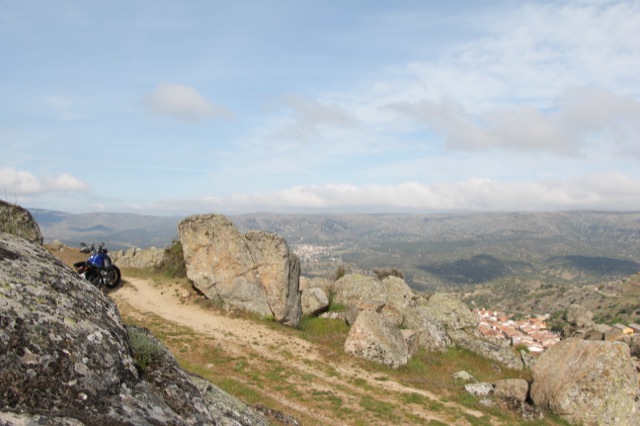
(372, 337)
(255, 271)
(437, 322)
(17, 221)
(588, 383)
(67, 359)
(139, 258)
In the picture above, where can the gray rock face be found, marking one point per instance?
(65, 356)
(588, 382)
(372, 337)
(17, 221)
(256, 271)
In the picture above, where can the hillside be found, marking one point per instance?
(521, 262)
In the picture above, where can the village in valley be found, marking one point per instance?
(532, 332)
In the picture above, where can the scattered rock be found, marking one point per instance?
(588, 382)
(479, 389)
(139, 258)
(512, 391)
(356, 289)
(324, 284)
(580, 316)
(452, 313)
(431, 334)
(372, 337)
(399, 295)
(313, 301)
(354, 310)
(341, 315)
(464, 376)
(486, 349)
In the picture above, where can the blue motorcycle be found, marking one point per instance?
(98, 268)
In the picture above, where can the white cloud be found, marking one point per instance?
(24, 183)
(580, 119)
(183, 103)
(61, 107)
(310, 118)
(598, 191)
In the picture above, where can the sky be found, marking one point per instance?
(367, 106)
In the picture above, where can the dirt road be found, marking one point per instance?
(263, 347)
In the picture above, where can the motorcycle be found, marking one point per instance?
(98, 268)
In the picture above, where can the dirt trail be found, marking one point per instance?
(241, 337)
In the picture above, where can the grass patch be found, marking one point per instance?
(147, 352)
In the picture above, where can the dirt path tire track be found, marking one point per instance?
(239, 336)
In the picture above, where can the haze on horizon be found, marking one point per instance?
(161, 107)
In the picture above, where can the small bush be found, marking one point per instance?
(384, 273)
(146, 350)
(340, 272)
(174, 265)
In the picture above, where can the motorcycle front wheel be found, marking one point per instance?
(111, 277)
(93, 277)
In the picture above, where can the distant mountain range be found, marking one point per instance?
(432, 250)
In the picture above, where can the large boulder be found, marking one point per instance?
(588, 383)
(255, 271)
(18, 221)
(67, 359)
(374, 338)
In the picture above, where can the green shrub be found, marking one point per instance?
(340, 272)
(384, 273)
(146, 350)
(173, 265)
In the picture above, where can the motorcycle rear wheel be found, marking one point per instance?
(111, 277)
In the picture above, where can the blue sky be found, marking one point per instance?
(320, 106)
